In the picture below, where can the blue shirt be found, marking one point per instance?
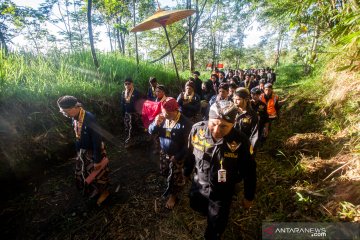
(173, 141)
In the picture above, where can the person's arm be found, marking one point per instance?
(149, 94)
(189, 162)
(155, 126)
(254, 136)
(180, 100)
(122, 103)
(187, 124)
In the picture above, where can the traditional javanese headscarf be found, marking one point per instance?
(223, 109)
(66, 102)
(170, 104)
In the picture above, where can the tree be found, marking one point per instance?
(91, 38)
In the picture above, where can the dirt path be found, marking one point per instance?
(52, 208)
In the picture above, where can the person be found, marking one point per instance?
(232, 89)
(223, 94)
(248, 83)
(189, 102)
(214, 83)
(130, 101)
(234, 80)
(221, 157)
(198, 83)
(207, 93)
(91, 164)
(173, 129)
(261, 85)
(246, 120)
(151, 91)
(222, 78)
(271, 100)
(160, 92)
(260, 108)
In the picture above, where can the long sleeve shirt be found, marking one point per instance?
(129, 107)
(173, 141)
(206, 156)
(90, 138)
(189, 107)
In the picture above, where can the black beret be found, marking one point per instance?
(197, 73)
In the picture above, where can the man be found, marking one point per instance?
(222, 95)
(152, 88)
(246, 120)
(173, 129)
(232, 89)
(160, 92)
(271, 100)
(261, 85)
(261, 109)
(198, 83)
(221, 157)
(91, 169)
(222, 78)
(189, 102)
(248, 83)
(213, 83)
(130, 103)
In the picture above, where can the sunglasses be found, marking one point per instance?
(127, 83)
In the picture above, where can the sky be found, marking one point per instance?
(253, 34)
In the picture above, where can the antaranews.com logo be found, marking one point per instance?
(302, 230)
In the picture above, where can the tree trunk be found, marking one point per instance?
(3, 43)
(91, 37)
(278, 48)
(122, 38)
(109, 35)
(190, 39)
(313, 51)
(136, 42)
(67, 27)
(118, 40)
(79, 26)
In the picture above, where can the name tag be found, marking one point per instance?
(222, 175)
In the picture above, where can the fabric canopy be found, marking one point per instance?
(149, 111)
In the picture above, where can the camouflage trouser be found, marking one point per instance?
(83, 167)
(133, 128)
(173, 171)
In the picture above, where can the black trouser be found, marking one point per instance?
(215, 208)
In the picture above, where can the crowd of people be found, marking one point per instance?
(208, 135)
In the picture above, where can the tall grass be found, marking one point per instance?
(33, 78)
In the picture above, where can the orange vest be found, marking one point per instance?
(271, 110)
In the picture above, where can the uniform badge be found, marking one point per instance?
(246, 120)
(233, 146)
(167, 134)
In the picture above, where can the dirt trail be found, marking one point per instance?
(53, 208)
